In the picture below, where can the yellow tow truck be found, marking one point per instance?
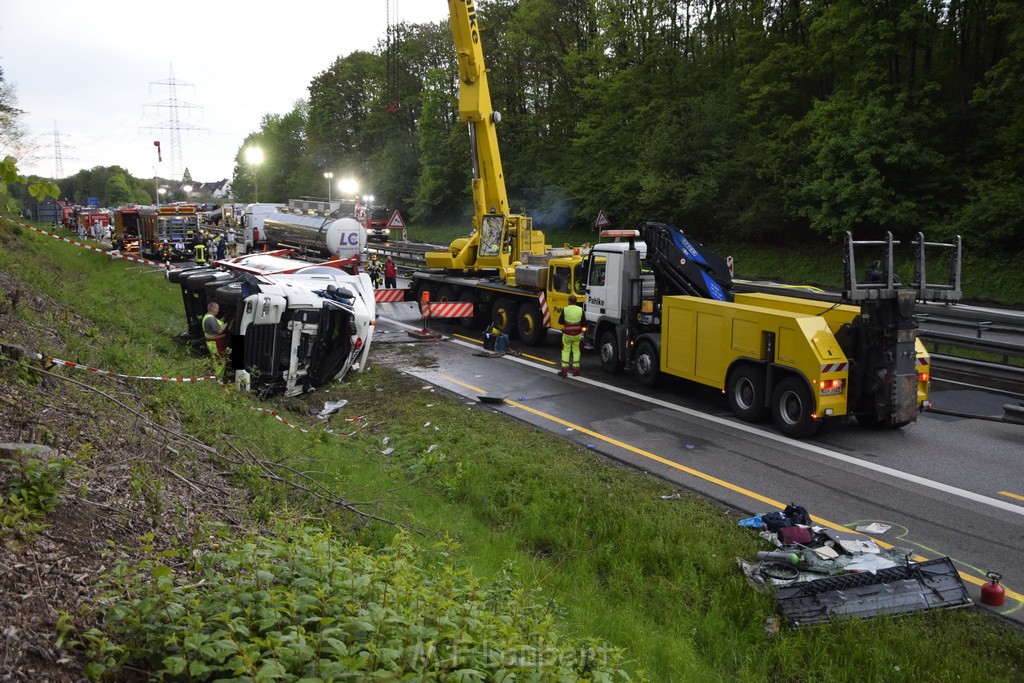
(662, 304)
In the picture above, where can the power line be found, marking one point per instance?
(173, 123)
(57, 156)
(58, 151)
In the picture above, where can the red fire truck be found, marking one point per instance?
(375, 220)
(169, 232)
(125, 234)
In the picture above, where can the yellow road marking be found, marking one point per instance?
(970, 578)
(1011, 495)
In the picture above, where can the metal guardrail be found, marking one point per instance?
(999, 348)
(1007, 378)
(408, 255)
(975, 315)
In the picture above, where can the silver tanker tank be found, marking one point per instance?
(341, 237)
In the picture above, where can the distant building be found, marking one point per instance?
(216, 190)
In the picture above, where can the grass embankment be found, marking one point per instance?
(657, 578)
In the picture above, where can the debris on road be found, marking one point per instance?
(822, 574)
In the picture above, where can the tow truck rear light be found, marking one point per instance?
(831, 387)
(923, 376)
(359, 343)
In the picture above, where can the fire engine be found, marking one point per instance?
(125, 235)
(168, 232)
(375, 221)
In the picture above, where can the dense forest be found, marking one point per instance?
(762, 120)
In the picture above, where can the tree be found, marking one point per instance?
(186, 177)
(443, 187)
(118, 191)
(12, 136)
(12, 132)
(994, 209)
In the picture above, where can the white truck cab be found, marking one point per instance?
(253, 235)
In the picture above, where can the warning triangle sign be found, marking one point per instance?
(396, 221)
(602, 221)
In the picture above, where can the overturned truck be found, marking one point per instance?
(293, 326)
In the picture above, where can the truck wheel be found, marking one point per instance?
(531, 325)
(791, 409)
(647, 362)
(609, 350)
(505, 315)
(477, 320)
(746, 392)
(228, 296)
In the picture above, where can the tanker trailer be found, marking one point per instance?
(316, 234)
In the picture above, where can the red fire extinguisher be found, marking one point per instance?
(992, 593)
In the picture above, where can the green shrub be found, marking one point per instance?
(303, 605)
(31, 488)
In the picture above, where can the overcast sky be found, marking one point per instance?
(91, 70)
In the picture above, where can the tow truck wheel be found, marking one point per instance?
(646, 363)
(505, 315)
(531, 325)
(477, 320)
(609, 350)
(746, 392)
(792, 408)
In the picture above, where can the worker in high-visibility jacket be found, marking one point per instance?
(571, 321)
(215, 331)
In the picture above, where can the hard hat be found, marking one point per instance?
(373, 257)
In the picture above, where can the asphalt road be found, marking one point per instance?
(947, 485)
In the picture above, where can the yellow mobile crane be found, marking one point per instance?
(504, 267)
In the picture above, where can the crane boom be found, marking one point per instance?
(475, 109)
(500, 239)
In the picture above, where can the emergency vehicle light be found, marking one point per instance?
(620, 233)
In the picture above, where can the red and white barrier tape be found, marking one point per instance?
(108, 373)
(112, 253)
(118, 255)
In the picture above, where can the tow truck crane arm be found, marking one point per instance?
(685, 266)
